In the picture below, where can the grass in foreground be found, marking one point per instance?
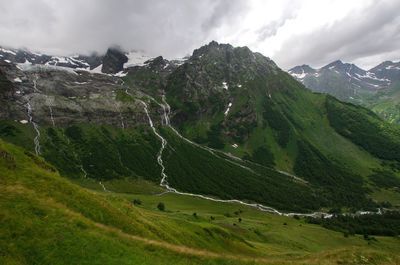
(45, 219)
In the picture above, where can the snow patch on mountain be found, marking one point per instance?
(42, 67)
(391, 67)
(8, 51)
(136, 58)
(97, 70)
(225, 85)
(299, 76)
(228, 109)
(349, 72)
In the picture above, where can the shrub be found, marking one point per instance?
(263, 156)
(137, 202)
(161, 206)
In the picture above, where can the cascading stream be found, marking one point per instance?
(104, 187)
(51, 116)
(35, 127)
(83, 171)
(49, 102)
(164, 182)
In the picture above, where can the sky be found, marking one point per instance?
(291, 32)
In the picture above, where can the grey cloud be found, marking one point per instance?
(175, 27)
(224, 11)
(170, 27)
(271, 29)
(369, 32)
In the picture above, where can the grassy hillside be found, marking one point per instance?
(100, 152)
(276, 122)
(106, 153)
(196, 170)
(335, 170)
(45, 219)
(270, 111)
(386, 103)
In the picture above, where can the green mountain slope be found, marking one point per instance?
(258, 117)
(45, 219)
(240, 102)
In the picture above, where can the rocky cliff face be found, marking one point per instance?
(63, 97)
(388, 70)
(113, 61)
(6, 94)
(212, 78)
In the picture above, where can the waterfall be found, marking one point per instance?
(35, 127)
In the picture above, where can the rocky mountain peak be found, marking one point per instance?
(212, 48)
(114, 60)
(302, 69)
(234, 57)
(157, 63)
(387, 70)
(338, 64)
(346, 81)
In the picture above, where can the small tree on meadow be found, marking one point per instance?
(161, 206)
(137, 202)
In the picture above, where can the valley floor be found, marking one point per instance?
(46, 219)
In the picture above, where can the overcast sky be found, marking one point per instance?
(291, 32)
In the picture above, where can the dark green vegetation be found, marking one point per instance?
(196, 170)
(100, 152)
(6, 90)
(106, 153)
(103, 152)
(364, 128)
(385, 179)
(161, 206)
(339, 187)
(387, 224)
(262, 156)
(45, 219)
(278, 122)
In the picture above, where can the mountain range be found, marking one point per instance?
(377, 88)
(224, 128)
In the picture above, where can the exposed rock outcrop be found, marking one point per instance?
(113, 61)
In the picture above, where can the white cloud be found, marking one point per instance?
(289, 31)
